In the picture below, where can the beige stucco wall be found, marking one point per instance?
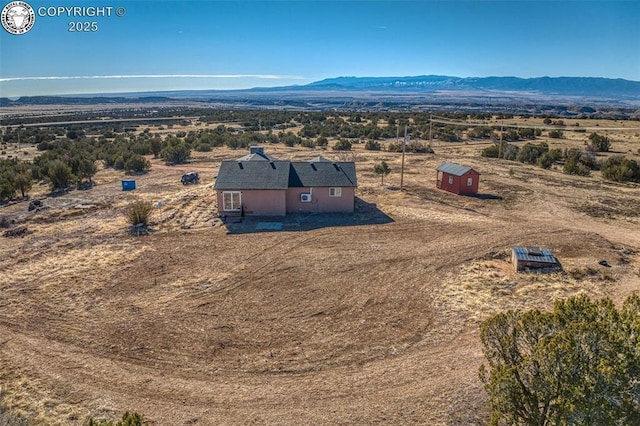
(256, 202)
(321, 202)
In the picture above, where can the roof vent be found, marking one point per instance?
(240, 165)
(273, 165)
(534, 251)
(256, 150)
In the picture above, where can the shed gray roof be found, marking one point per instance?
(534, 254)
(454, 169)
(322, 173)
(238, 175)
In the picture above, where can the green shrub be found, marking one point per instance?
(508, 152)
(176, 154)
(289, 139)
(482, 132)
(342, 145)
(556, 134)
(372, 145)
(136, 163)
(60, 175)
(45, 146)
(413, 146)
(382, 169)
(419, 148)
(203, 147)
(548, 158)
(322, 141)
(530, 152)
(599, 143)
(139, 213)
(573, 167)
(128, 419)
(308, 143)
(5, 222)
(620, 169)
(491, 151)
(578, 162)
(575, 365)
(448, 136)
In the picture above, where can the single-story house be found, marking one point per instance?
(260, 185)
(534, 259)
(457, 178)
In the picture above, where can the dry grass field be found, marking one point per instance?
(321, 323)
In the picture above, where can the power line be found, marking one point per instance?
(569, 128)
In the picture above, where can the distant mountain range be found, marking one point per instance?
(563, 86)
(384, 92)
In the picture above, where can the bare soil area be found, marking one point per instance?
(372, 318)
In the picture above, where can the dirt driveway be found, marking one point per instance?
(370, 320)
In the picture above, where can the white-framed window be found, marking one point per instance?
(335, 192)
(450, 180)
(231, 201)
(469, 181)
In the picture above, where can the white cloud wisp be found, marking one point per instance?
(113, 77)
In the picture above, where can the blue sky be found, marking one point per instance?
(176, 45)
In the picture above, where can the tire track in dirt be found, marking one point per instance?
(338, 325)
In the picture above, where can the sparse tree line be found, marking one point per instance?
(15, 176)
(72, 160)
(574, 161)
(69, 156)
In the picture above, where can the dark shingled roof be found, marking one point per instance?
(257, 156)
(238, 175)
(322, 173)
(261, 171)
(454, 169)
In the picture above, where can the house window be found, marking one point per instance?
(335, 192)
(469, 181)
(231, 201)
(450, 180)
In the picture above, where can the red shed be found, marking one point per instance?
(457, 179)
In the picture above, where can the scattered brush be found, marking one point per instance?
(5, 222)
(138, 215)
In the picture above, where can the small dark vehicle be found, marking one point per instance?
(190, 178)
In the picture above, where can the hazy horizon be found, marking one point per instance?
(179, 90)
(229, 45)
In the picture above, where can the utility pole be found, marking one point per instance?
(430, 127)
(500, 146)
(404, 144)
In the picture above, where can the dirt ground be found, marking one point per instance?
(372, 318)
